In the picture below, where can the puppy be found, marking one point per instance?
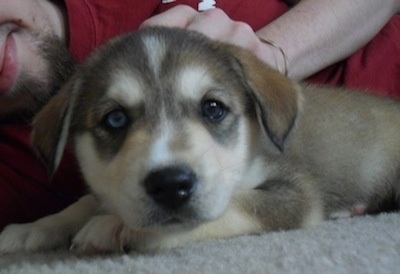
(182, 139)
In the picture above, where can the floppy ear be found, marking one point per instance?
(277, 98)
(51, 127)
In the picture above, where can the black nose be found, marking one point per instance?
(171, 187)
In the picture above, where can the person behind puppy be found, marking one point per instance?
(350, 43)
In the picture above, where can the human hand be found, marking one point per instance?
(217, 25)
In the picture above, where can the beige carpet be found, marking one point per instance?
(369, 244)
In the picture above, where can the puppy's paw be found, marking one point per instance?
(356, 210)
(102, 234)
(33, 237)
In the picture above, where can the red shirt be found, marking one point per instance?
(375, 67)
(93, 22)
(26, 192)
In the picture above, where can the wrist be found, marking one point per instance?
(274, 55)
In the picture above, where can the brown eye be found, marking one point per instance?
(213, 111)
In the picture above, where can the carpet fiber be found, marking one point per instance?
(369, 244)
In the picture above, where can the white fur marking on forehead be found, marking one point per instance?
(126, 89)
(193, 81)
(155, 49)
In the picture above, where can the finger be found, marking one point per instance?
(180, 16)
(214, 23)
(227, 30)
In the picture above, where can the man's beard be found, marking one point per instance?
(29, 94)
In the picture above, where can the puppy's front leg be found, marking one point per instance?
(278, 205)
(51, 232)
(235, 221)
(107, 233)
(102, 234)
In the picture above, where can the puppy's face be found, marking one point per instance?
(164, 141)
(164, 125)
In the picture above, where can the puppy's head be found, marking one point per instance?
(164, 124)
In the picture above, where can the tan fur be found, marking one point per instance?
(284, 156)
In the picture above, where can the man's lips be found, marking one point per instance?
(8, 64)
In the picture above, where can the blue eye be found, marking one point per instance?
(116, 119)
(213, 111)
